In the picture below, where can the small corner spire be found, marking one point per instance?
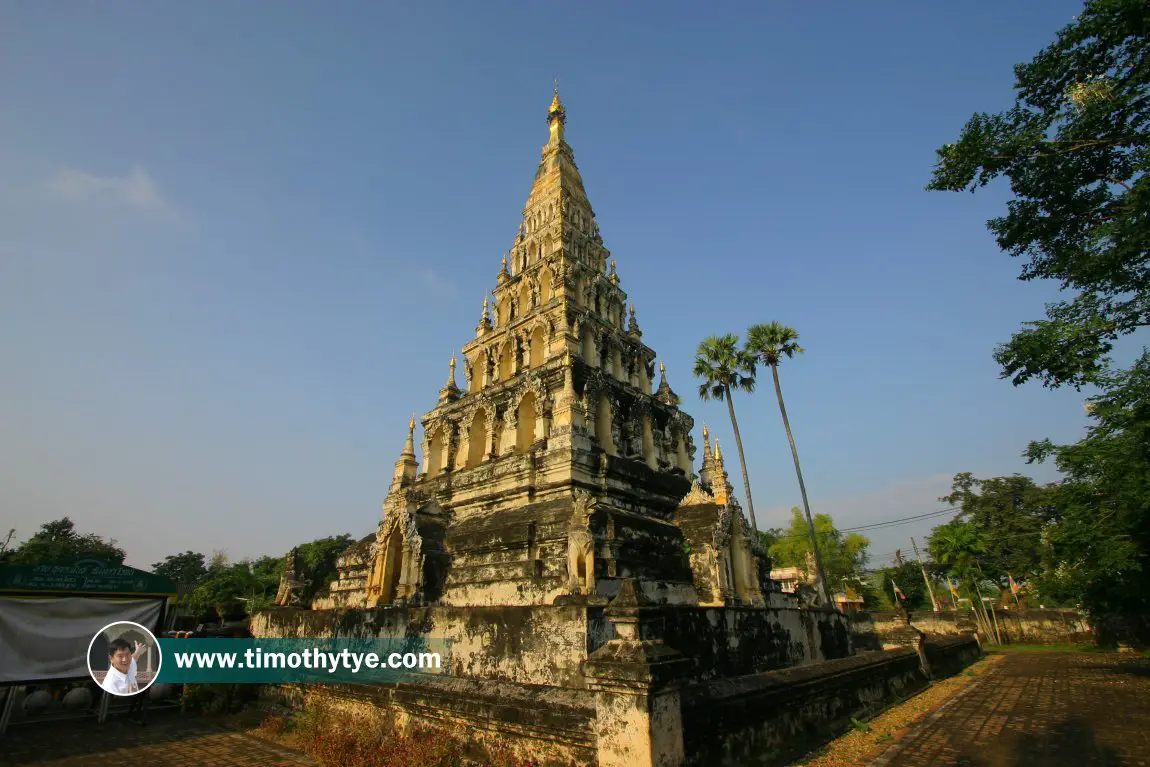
(664, 393)
(451, 374)
(614, 274)
(485, 319)
(409, 445)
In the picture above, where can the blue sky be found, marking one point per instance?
(239, 243)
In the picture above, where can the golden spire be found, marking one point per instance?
(485, 320)
(451, 375)
(556, 104)
(409, 445)
(706, 441)
(718, 451)
(662, 368)
(556, 117)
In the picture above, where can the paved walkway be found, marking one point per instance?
(169, 739)
(1040, 710)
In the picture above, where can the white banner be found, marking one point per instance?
(49, 638)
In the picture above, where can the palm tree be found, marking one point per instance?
(957, 545)
(724, 367)
(768, 344)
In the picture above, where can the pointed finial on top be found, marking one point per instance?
(556, 104)
(411, 423)
(451, 375)
(718, 451)
(556, 115)
(662, 368)
(706, 432)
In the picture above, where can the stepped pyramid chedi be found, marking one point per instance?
(592, 599)
(557, 466)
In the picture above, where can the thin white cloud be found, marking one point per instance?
(135, 190)
(435, 283)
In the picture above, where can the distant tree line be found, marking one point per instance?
(211, 588)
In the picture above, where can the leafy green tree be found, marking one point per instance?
(1075, 148)
(769, 343)
(958, 547)
(1098, 554)
(1009, 515)
(58, 541)
(845, 554)
(908, 576)
(317, 560)
(769, 537)
(225, 591)
(187, 569)
(723, 368)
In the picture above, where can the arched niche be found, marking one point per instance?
(435, 451)
(649, 454)
(392, 566)
(604, 420)
(525, 427)
(477, 439)
(545, 285)
(538, 347)
(590, 352)
(475, 368)
(506, 361)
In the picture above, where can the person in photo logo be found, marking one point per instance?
(121, 676)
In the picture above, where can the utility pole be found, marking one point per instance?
(922, 567)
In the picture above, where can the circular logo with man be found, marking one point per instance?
(124, 658)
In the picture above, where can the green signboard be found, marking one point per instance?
(86, 576)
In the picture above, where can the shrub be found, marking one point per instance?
(205, 698)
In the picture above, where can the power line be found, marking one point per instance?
(883, 524)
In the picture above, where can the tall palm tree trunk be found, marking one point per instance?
(824, 591)
(742, 461)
